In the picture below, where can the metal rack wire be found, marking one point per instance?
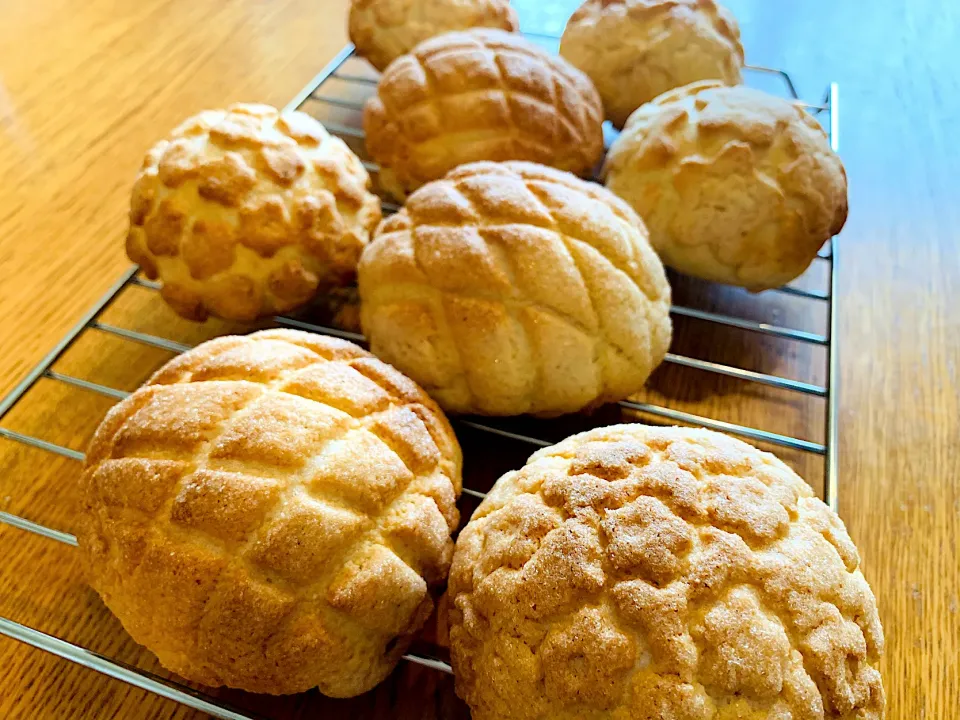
(314, 93)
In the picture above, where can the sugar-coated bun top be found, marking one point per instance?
(247, 212)
(735, 185)
(480, 95)
(512, 288)
(635, 50)
(272, 513)
(646, 572)
(383, 30)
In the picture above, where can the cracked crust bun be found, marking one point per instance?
(635, 50)
(636, 572)
(246, 213)
(735, 185)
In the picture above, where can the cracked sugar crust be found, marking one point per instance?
(383, 30)
(644, 572)
(246, 213)
(479, 95)
(736, 186)
(273, 513)
(635, 50)
(512, 288)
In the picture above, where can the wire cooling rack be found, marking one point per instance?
(352, 88)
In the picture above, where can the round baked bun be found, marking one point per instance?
(272, 513)
(735, 185)
(635, 50)
(512, 288)
(245, 213)
(383, 30)
(654, 573)
(480, 95)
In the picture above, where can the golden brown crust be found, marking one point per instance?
(642, 572)
(511, 288)
(246, 213)
(736, 186)
(635, 50)
(480, 95)
(272, 512)
(383, 30)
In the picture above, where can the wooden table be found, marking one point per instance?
(86, 87)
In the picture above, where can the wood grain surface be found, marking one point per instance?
(85, 88)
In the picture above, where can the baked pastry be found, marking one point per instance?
(383, 30)
(480, 95)
(635, 50)
(245, 212)
(272, 513)
(645, 572)
(735, 185)
(510, 288)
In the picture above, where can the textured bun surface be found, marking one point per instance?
(735, 185)
(511, 288)
(635, 50)
(245, 213)
(637, 572)
(272, 513)
(383, 30)
(480, 95)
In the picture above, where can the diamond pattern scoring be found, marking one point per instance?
(272, 512)
(514, 288)
(480, 95)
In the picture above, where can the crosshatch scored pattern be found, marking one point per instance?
(315, 94)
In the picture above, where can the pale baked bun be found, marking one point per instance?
(510, 288)
(480, 95)
(383, 30)
(272, 513)
(245, 213)
(635, 50)
(654, 573)
(735, 185)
